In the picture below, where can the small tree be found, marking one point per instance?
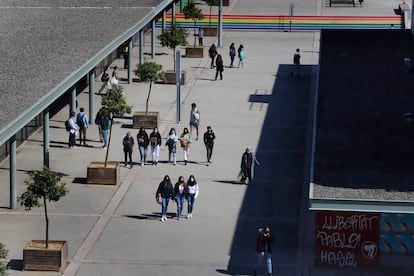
(42, 184)
(211, 3)
(193, 13)
(3, 257)
(150, 72)
(114, 104)
(173, 37)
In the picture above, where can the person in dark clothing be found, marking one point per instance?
(212, 53)
(219, 67)
(209, 137)
(232, 53)
(296, 63)
(180, 192)
(246, 165)
(98, 122)
(165, 191)
(143, 142)
(125, 53)
(128, 144)
(264, 249)
(82, 121)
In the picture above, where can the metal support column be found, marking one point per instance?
(141, 46)
(153, 39)
(220, 26)
(46, 138)
(91, 94)
(13, 194)
(164, 19)
(173, 14)
(130, 60)
(73, 100)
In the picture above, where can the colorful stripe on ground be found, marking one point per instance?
(263, 22)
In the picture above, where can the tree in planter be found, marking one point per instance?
(46, 185)
(3, 256)
(114, 104)
(149, 72)
(173, 37)
(211, 3)
(193, 13)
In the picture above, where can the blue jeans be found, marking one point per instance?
(268, 257)
(164, 205)
(105, 137)
(180, 203)
(143, 153)
(190, 200)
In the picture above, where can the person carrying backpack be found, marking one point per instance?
(83, 122)
(73, 130)
(264, 249)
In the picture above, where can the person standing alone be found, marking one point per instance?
(209, 137)
(232, 53)
(296, 63)
(200, 36)
(194, 119)
(264, 249)
(219, 67)
(128, 144)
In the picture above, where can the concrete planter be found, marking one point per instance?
(37, 257)
(170, 77)
(210, 30)
(99, 174)
(194, 52)
(148, 121)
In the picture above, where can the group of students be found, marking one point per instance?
(217, 59)
(77, 124)
(180, 192)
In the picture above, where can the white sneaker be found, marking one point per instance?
(191, 215)
(188, 216)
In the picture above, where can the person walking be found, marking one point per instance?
(83, 122)
(115, 77)
(219, 67)
(73, 131)
(200, 36)
(171, 143)
(143, 142)
(180, 192)
(209, 137)
(105, 125)
(232, 53)
(185, 140)
(165, 191)
(128, 143)
(98, 122)
(212, 53)
(241, 54)
(247, 165)
(194, 119)
(155, 141)
(105, 80)
(296, 63)
(192, 194)
(264, 249)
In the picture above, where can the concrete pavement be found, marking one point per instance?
(116, 230)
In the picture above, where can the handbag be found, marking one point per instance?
(159, 199)
(240, 175)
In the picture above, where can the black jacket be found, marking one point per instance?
(263, 242)
(142, 139)
(155, 138)
(128, 143)
(209, 138)
(165, 189)
(247, 160)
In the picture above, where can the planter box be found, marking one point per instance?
(226, 3)
(210, 30)
(37, 257)
(194, 52)
(170, 77)
(149, 121)
(99, 174)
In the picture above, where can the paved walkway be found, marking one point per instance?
(116, 230)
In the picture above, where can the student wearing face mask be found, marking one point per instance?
(155, 142)
(171, 143)
(192, 194)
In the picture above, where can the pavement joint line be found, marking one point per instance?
(155, 262)
(99, 226)
(49, 214)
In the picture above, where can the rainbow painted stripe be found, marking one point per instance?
(283, 22)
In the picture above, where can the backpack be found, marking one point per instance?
(67, 125)
(79, 121)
